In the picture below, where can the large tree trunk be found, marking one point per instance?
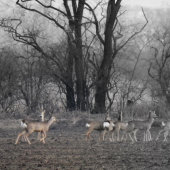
(79, 66)
(79, 69)
(70, 99)
(103, 75)
(103, 78)
(80, 84)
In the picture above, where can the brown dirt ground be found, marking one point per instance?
(66, 149)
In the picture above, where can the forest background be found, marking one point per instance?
(94, 56)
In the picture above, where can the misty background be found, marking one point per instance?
(55, 54)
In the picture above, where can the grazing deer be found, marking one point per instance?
(99, 126)
(134, 126)
(166, 128)
(31, 127)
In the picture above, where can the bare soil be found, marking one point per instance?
(66, 149)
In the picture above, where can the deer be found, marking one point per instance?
(31, 127)
(25, 121)
(119, 125)
(99, 126)
(166, 128)
(110, 127)
(135, 125)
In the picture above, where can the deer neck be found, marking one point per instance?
(50, 121)
(151, 119)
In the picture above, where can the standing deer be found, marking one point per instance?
(99, 126)
(110, 127)
(119, 125)
(31, 127)
(166, 128)
(134, 126)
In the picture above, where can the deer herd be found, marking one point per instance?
(107, 126)
(128, 128)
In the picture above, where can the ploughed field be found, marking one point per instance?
(66, 149)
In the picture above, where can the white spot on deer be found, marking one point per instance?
(87, 125)
(23, 124)
(163, 124)
(106, 124)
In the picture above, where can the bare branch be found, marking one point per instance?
(96, 23)
(137, 32)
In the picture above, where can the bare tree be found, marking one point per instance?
(71, 25)
(8, 80)
(70, 20)
(114, 40)
(159, 68)
(32, 77)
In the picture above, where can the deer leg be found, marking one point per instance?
(165, 136)
(126, 136)
(158, 135)
(113, 132)
(149, 135)
(163, 130)
(88, 134)
(28, 139)
(118, 135)
(19, 135)
(109, 132)
(41, 133)
(104, 133)
(123, 135)
(144, 138)
(44, 136)
(100, 135)
(39, 136)
(134, 133)
(112, 138)
(131, 137)
(26, 136)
